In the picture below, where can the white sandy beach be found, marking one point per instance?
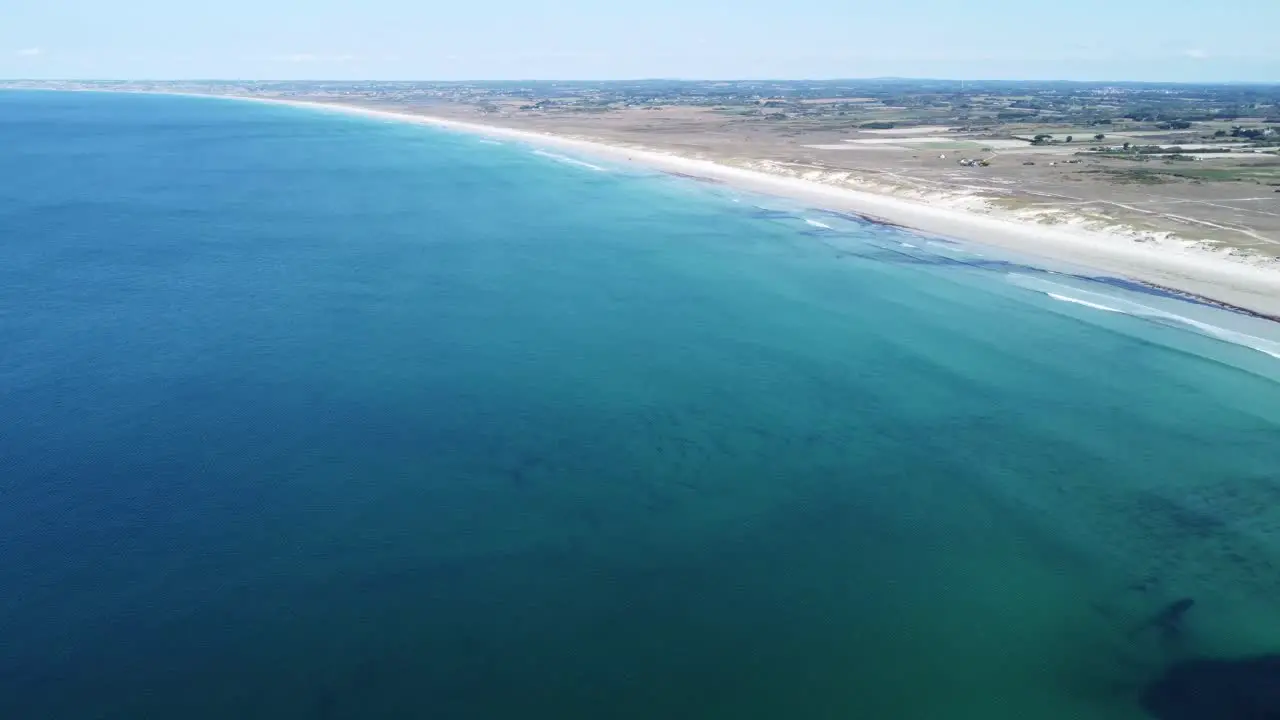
(1237, 281)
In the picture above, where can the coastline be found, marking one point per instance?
(1197, 273)
(1206, 276)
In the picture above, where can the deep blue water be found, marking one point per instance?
(305, 415)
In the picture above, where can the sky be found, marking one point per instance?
(1155, 40)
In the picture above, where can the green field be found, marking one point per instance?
(1260, 174)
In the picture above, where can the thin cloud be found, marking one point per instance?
(30, 52)
(1196, 54)
(313, 58)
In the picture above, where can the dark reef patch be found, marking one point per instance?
(1243, 689)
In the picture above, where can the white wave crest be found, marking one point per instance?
(1262, 345)
(1078, 301)
(1125, 306)
(568, 160)
(817, 224)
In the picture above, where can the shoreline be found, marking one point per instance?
(1195, 273)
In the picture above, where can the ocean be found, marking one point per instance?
(310, 415)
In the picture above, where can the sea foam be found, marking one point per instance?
(1078, 301)
(1115, 303)
(568, 160)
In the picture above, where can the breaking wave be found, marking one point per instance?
(1078, 301)
(568, 160)
(1125, 306)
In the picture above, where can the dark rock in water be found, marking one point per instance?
(1169, 620)
(1245, 689)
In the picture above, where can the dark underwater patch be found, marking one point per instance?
(1244, 689)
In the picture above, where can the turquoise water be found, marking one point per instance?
(312, 416)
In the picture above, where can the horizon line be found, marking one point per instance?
(896, 78)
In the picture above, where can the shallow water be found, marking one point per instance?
(312, 416)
